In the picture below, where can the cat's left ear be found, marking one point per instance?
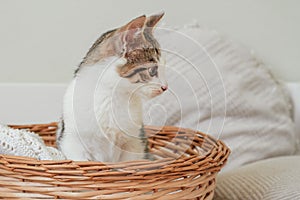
(153, 20)
(131, 30)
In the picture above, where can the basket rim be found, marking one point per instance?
(212, 160)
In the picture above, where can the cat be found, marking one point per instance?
(102, 109)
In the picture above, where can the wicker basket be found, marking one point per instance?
(186, 169)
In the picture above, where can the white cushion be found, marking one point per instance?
(220, 88)
(271, 179)
(294, 90)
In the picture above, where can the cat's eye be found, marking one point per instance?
(153, 71)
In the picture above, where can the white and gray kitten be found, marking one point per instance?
(102, 111)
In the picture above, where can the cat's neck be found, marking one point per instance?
(113, 105)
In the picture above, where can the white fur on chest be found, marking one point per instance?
(102, 119)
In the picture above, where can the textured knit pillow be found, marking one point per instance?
(294, 91)
(24, 143)
(220, 88)
(271, 179)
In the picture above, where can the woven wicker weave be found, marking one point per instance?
(188, 162)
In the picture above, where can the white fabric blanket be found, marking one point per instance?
(270, 179)
(25, 143)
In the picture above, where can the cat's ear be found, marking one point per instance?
(153, 20)
(133, 28)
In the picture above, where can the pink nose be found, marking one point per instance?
(164, 88)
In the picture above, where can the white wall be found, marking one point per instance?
(43, 41)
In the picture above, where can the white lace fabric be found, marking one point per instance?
(25, 143)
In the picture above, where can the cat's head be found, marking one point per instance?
(143, 65)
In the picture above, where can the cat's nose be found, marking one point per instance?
(164, 88)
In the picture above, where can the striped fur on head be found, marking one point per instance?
(136, 43)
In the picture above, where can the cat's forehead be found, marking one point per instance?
(137, 56)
